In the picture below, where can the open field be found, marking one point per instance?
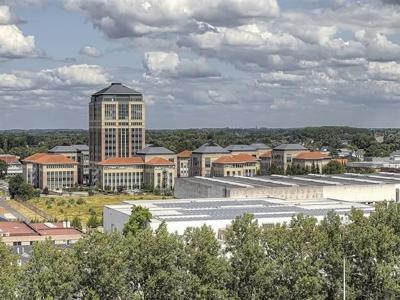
(23, 210)
(64, 208)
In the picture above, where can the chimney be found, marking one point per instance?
(64, 224)
(68, 224)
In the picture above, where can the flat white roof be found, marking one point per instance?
(267, 210)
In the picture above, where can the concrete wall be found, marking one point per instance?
(113, 220)
(361, 193)
(356, 193)
(288, 193)
(185, 188)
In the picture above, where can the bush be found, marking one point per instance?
(80, 201)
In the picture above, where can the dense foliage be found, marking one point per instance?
(19, 189)
(300, 260)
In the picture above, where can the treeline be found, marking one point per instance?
(25, 143)
(300, 260)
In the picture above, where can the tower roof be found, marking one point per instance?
(117, 88)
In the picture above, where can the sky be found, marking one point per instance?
(203, 63)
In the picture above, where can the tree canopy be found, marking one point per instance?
(299, 260)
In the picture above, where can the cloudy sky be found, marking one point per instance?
(203, 63)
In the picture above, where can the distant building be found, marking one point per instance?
(260, 148)
(312, 159)
(22, 233)
(236, 165)
(116, 124)
(152, 168)
(14, 166)
(52, 171)
(242, 149)
(184, 162)
(204, 156)
(282, 155)
(79, 154)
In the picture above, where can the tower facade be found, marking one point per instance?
(116, 124)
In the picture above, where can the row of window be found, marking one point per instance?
(110, 111)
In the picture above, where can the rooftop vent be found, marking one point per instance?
(116, 83)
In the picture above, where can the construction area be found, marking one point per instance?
(363, 188)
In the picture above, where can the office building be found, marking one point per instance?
(52, 171)
(14, 166)
(79, 154)
(151, 168)
(204, 156)
(184, 163)
(116, 124)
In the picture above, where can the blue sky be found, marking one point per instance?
(209, 63)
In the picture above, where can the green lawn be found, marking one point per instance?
(68, 207)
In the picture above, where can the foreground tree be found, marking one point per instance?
(333, 167)
(138, 220)
(8, 272)
(49, 274)
(101, 261)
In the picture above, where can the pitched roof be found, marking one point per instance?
(159, 161)
(233, 148)
(312, 155)
(48, 159)
(33, 157)
(260, 146)
(210, 148)
(116, 88)
(9, 159)
(122, 161)
(238, 158)
(184, 154)
(290, 147)
(267, 154)
(155, 151)
(81, 147)
(62, 149)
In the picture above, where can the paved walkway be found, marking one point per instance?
(3, 203)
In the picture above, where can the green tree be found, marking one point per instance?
(102, 266)
(204, 260)
(247, 256)
(76, 223)
(49, 274)
(3, 169)
(333, 167)
(9, 272)
(138, 220)
(93, 221)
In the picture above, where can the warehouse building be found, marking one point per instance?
(346, 187)
(219, 213)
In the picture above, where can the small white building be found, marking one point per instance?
(218, 213)
(14, 166)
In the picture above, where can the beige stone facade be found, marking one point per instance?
(116, 124)
(51, 171)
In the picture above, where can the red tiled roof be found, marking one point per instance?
(159, 161)
(49, 159)
(16, 229)
(239, 158)
(53, 229)
(33, 157)
(185, 154)
(8, 159)
(312, 155)
(267, 154)
(122, 161)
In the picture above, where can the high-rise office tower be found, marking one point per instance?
(116, 123)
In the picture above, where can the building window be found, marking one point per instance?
(110, 112)
(208, 162)
(136, 111)
(123, 111)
